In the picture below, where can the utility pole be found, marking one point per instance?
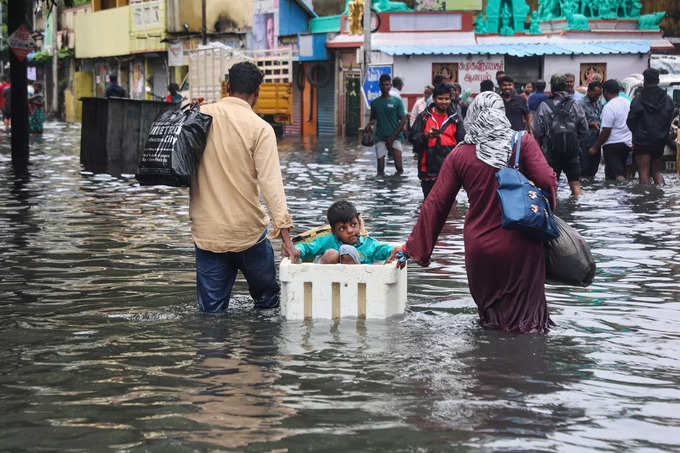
(204, 28)
(18, 13)
(55, 62)
(366, 62)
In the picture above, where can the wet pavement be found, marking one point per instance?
(104, 350)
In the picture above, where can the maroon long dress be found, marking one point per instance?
(505, 268)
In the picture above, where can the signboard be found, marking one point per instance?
(176, 53)
(21, 42)
(470, 73)
(371, 85)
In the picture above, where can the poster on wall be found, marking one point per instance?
(137, 81)
(265, 26)
(447, 70)
(588, 70)
(176, 53)
(264, 36)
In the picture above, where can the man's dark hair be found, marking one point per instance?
(173, 87)
(457, 87)
(593, 85)
(499, 73)
(485, 85)
(245, 78)
(385, 77)
(113, 78)
(651, 76)
(539, 86)
(558, 82)
(507, 78)
(341, 211)
(611, 86)
(442, 88)
(397, 83)
(437, 80)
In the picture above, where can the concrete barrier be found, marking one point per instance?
(332, 291)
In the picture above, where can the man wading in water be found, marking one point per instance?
(228, 223)
(388, 116)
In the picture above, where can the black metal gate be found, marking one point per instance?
(352, 106)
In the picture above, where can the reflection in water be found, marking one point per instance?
(103, 345)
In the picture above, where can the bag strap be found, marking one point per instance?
(516, 143)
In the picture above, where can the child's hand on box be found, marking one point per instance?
(399, 255)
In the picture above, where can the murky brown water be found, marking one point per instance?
(103, 348)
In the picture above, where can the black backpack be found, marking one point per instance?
(563, 136)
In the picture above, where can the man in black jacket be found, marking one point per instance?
(113, 89)
(649, 120)
(435, 132)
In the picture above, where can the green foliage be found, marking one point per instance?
(41, 57)
(64, 53)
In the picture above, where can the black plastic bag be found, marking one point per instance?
(368, 137)
(568, 260)
(174, 147)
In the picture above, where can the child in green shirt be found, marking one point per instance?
(345, 245)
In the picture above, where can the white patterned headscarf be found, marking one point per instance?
(488, 128)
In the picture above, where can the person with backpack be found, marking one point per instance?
(649, 120)
(435, 132)
(559, 125)
(615, 138)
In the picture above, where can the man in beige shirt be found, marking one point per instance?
(228, 222)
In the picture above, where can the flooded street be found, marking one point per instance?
(104, 349)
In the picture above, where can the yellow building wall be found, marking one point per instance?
(103, 34)
(82, 87)
(147, 26)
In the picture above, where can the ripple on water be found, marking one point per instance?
(103, 345)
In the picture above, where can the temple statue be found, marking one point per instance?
(534, 22)
(480, 24)
(384, 6)
(506, 17)
(518, 10)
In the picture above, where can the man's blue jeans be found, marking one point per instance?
(216, 273)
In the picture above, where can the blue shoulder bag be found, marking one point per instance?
(524, 207)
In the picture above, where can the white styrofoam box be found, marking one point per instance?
(331, 291)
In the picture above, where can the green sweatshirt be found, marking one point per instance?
(369, 249)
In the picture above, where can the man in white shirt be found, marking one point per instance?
(397, 85)
(421, 104)
(615, 138)
(571, 83)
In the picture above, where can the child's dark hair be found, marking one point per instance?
(341, 211)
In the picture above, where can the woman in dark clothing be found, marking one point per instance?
(505, 268)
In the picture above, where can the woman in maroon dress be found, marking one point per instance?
(505, 268)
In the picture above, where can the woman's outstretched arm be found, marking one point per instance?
(434, 212)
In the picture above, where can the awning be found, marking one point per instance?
(523, 49)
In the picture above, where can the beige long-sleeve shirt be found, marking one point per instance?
(240, 160)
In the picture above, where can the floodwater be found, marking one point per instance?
(103, 348)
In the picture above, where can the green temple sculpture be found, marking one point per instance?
(650, 21)
(518, 10)
(480, 24)
(382, 6)
(534, 23)
(577, 12)
(506, 18)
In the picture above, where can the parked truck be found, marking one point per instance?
(209, 73)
